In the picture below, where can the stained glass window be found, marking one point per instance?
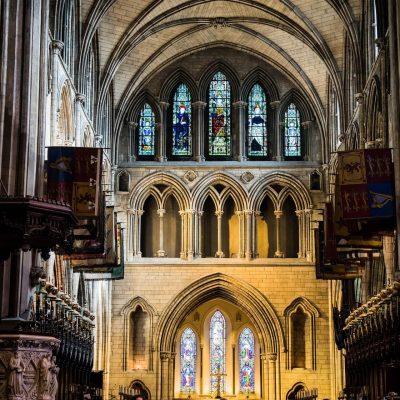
(292, 132)
(181, 122)
(188, 360)
(147, 127)
(257, 145)
(217, 352)
(219, 116)
(246, 363)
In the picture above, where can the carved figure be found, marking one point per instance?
(15, 379)
(45, 376)
(53, 384)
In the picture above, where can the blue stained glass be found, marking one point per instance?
(188, 360)
(246, 363)
(181, 122)
(219, 117)
(257, 123)
(292, 132)
(217, 351)
(147, 127)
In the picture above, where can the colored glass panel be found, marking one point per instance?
(292, 132)
(147, 128)
(246, 363)
(217, 352)
(188, 360)
(219, 117)
(181, 122)
(257, 123)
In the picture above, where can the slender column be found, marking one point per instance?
(171, 375)
(164, 374)
(79, 105)
(162, 133)
(219, 252)
(199, 233)
(255, 234)
(249, 236)
(138, 231)
(191, 214)
(309, 245)
(57, 47)
(132, 141)
(300, 218)
(239, 215)
(272, 376)
(183, 234)
(233, 368)
(276, 131)
(240, 111)
(278, 252)
(161, 251)
(360, 102)
(198, 130)
(264, 375)
(307, 142)
(131, 218)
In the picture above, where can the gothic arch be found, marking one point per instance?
(123, 177)
(312, 312)
(258, 75)
(65, 123)
(293, 96)
(126, 311)
(373, 110)
(138, 383)
(296, 189)
(88, 137)
(179, 76)
(147, 186)
(240, 293)
(230, 74)
(233, 188)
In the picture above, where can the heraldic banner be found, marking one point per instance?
(74, 177)
(366, 182)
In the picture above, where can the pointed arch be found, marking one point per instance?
(240, 293)
(173, 80)
(298, 308)
(129, 308)
(258, 75)
(65, 124)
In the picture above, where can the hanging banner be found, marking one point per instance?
(74, 177)
(366, 182)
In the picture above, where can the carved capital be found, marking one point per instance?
(164, 355)
(132, 124)
(80, 98)
(161, 212)
(359, 98)
(239, 104)
(219, 213)
(164, 105)
(199, 105)
(57, 46)
(272, 357)
(274, 104)
(278, 213)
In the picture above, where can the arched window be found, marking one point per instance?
(181, 122)
(219, 117)
(292, 136)
(257, 140)
(188, 361)
(217, 351)
(246, 362)
(146, 135)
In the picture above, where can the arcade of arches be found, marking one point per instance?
(220, 124)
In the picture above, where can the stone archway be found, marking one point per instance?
(249, 299)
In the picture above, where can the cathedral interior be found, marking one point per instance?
(198, 199)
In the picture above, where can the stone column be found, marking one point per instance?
(276, 131)
(138, 232)
(272, 376)
(199, 232)
(183, 235)
(29, 366)
(240, 111)
(162, 133)
(79, 105)
(264, 374)
(164, 356)
(361, 119)
(306, 139)
(132, 141)
(278, 252)
(161, 251)
(191, 216)
(198, 130)
(131, 225)
(309, 238)
(255, 233)
(239, 215)
(56, 46)
(300, 218)
(171, 375)
(219, 252)
(249, 234)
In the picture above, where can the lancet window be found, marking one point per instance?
(146, 136)
(188, 360)
(246, 361)
(292, 134)
(217, 351)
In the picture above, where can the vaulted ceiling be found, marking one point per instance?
(304, 39)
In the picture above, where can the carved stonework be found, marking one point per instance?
(190, 176)
(21, 360)
(247, 177)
